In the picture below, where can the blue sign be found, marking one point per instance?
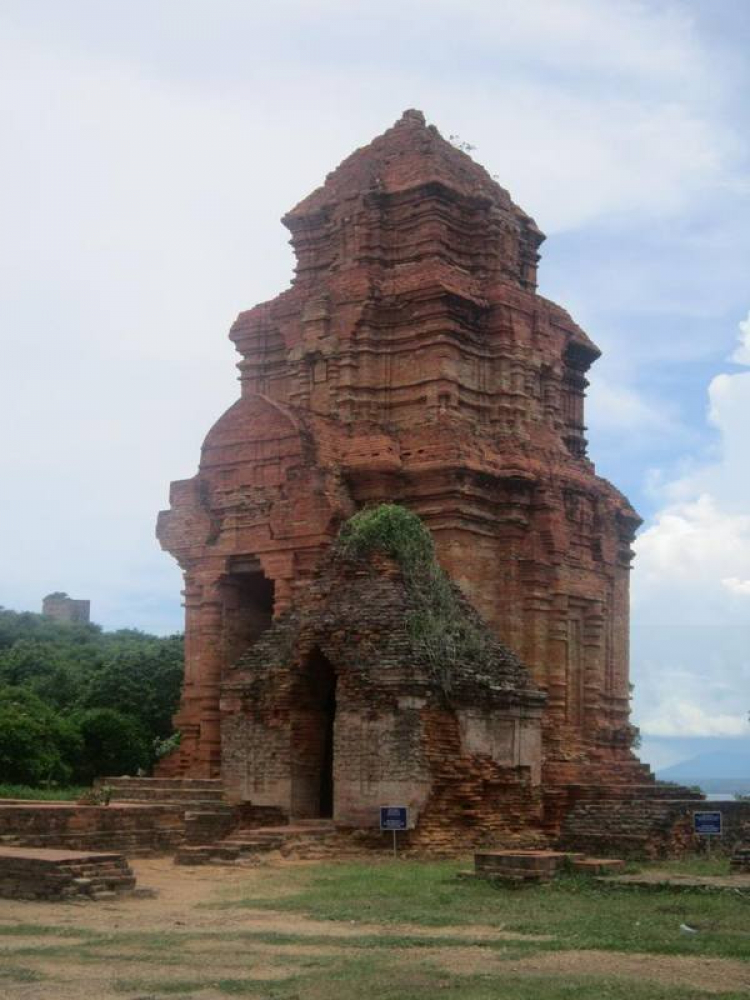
(707, 824)
(393, 818)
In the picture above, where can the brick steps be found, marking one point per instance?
(309, 839)
(206, 816)
(193, 792)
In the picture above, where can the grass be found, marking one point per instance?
(19, 974)
(575, 911)
(383, 982)
(716, 864)
(372, 948)
(40, 794)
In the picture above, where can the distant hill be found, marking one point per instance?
(719, 771)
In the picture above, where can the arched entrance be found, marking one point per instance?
(312, 735)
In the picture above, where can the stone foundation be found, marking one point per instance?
(58, 875)
(136, 830)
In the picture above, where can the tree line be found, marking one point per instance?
(77, 702)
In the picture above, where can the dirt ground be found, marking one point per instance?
(180, 943)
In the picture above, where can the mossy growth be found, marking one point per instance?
(441, 628)
(391, 529)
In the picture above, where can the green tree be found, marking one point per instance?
(73, 670)
(142, 681)
(112, 744)
(44, 667)
(36, 745)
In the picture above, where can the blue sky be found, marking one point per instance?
(149, 150)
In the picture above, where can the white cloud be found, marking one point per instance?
(619, 408)
(148, 158)
(741, 354)
(691, 641)
(682, 718)
(736, 586)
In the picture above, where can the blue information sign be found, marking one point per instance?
(393, 818)
(707, 824)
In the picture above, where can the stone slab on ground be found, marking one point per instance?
(597, 866)
(40, 873)
(521, 865)
(666, 880)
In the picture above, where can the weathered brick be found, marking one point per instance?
(412, 360)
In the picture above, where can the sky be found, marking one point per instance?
(149, 149)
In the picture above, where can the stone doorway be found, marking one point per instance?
(247, 606)
(312, 734)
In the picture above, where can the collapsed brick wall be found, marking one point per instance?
(473, 799)
(405, 726)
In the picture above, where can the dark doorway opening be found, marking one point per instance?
(247, 605)
(313, 736)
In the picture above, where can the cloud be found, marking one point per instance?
(682, 718)
(148, 158)
(691, 639)
(616, 407)
(741, 354)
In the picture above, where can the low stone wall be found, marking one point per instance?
(133, 829)
(28, 873)
(649, 827)
(208, 827)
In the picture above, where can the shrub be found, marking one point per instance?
(112, 743)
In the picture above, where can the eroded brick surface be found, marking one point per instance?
(411, 360)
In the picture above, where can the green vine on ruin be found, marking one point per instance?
(440, 629)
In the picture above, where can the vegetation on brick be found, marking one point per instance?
(439, 628)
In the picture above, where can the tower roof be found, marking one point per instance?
(410, 154)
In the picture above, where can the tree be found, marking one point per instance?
(143, 681)
(112, 743)
(71, 672)
(36, 745)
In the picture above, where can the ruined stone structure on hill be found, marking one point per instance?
(411, 361)
(65, 609)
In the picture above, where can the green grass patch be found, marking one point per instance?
(367, 980)
(39, 930)
(715, 865)
(19, 974)
(266, 988)
(41, 794)
(575, 911)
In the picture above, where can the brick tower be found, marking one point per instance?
(412, 360)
